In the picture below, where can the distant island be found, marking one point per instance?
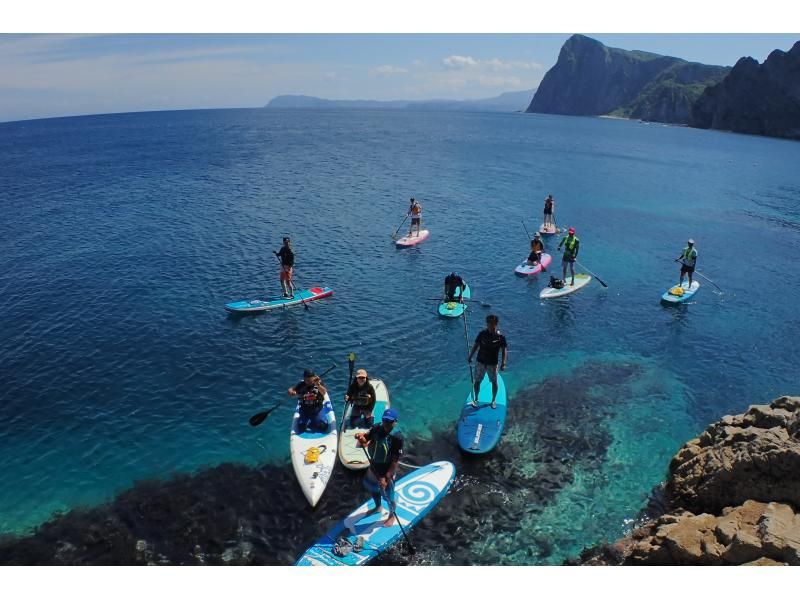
(592, 79)
(512, 101)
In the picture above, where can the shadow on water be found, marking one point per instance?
(235, 514)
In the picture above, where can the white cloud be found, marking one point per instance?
(388, 69)
(459, 62)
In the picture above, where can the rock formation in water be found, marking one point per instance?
(758, 99)
(733, 495)
(590, 78)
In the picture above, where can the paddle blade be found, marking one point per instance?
(259, 417)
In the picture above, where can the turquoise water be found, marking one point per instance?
(128, 233)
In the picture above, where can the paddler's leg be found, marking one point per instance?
(572, 271)
(690, 272)
(492, 371)
(480, 370)
(389, 492)
(374, 488)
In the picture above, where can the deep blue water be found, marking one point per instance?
(124, 235)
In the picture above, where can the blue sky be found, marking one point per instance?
(59, 75)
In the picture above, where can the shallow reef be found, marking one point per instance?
(235, 514)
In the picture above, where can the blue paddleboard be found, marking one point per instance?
(680, 294)
(480, 428)
(258, 305)
(453, 309)
(415, 494)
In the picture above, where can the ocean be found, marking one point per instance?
(125, 235)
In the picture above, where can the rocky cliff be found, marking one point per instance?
(590, 78)
(758, 99)
(733, 497)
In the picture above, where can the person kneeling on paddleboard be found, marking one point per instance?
(415, 211)
(488, 344)
(688, 260)
(384, 449)
(286, 256)
(571, 245)
(452, 282)
(537, 248)
(311, 396)
(362, 394)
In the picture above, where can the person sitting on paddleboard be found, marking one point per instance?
(452, 282)
(311, 397)
(286, 256)
(488, 344)
(537, 248)
(415, 211)
(384, 449)
(362, 395)
(688, 260)
(549, 204)
(571, 245)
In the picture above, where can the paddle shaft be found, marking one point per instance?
(393, 511)
(705, 277)
(526, 231)
(592, 273)
(260, 417)
(394, 234)
(469, 363)
(439, 299)
(351, 362)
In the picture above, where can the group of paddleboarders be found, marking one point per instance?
(383, 447)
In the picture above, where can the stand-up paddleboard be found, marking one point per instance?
(480, 428)
(581, 280)
(453, 309)
(549, 229)
(415, 495)
(525, 269)
(314, 454)
(679, 294)
(257, 305)
(413, 239)
(350, 453)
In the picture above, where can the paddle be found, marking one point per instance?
(260, 417)
(351, 362)
(393, 510)
(705, 277)
(394, 234)
(441, 300)
(592, 273)
(469, 363)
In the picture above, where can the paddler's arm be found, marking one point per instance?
(472, 352)
(321, 386)
(505, 358)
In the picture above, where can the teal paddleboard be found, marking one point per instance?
(258, 305)
(680, 293)
(480, 428)
(453, 309)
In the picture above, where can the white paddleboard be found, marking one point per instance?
(350, 453)
(313, 473)
(413, 239)
(581, 280)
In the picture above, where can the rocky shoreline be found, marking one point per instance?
(732, 497)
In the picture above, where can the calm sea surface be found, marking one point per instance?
(124, 236)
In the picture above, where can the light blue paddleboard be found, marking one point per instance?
(415, 494)
(257, 305)
(480, 428)
(674, 295)
(453, 309)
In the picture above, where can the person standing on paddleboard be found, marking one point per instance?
(549, 204)
(286, 256)
(311, 397)
(537, 248)
(452, 282)
(415, 211)
(384, 449)
(488, 344)
(362, 395)
(688, 260)
(571, 245)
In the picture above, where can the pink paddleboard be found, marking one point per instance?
(526, 270)
(409, 241)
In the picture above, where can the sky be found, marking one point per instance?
(58, 74)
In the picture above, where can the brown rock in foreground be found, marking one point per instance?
(734, 497)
